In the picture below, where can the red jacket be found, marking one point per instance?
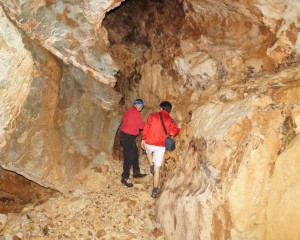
(154, 133)
(132, 122)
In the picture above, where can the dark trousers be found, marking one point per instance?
(130, 153)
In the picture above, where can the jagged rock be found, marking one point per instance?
(56, 112)
(233, 149)
(70, 32)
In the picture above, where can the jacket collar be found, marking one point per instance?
(164, 112)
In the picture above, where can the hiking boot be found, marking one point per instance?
(152, 169)
(155, 192)
(139, 175)
(126, 182)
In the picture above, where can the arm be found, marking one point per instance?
(147, 128)
(146, 131)
(140, 122)
(173, 130)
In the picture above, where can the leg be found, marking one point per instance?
(127, 143)
(136, 168)
(135, 162)
(150, 158)
(149, 153)
(135, 159)
(158, 157)
(156, 176)
(155, 190)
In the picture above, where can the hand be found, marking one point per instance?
(143, 144)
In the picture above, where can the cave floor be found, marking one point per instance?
(111, 211)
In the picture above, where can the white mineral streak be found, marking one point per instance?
(213, 120)
(196, 68)
(288, 11)
(95, 10)
(99, 76)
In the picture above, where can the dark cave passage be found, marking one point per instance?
(142, 31)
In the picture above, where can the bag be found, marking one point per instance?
(170, 143)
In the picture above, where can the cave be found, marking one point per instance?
(69, 70)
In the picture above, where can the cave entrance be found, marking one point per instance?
(140, 33)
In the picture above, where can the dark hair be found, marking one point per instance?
(165, 105)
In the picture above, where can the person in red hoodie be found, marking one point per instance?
(132, 123)
(153, 140)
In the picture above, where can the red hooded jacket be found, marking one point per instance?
(154, 133)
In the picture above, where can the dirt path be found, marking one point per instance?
(109, 210)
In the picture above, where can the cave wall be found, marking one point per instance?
(57, 121)
(69, 30)
(231, 149)
(231, 71)
(246, 36)
(282, 209)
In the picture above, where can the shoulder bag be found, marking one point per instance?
(170, 143)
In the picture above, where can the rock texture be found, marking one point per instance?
(284, 192)
(68, 31)
(17, 191)
(237, 107)
(52, 115)
(230, 69)
(237, 140)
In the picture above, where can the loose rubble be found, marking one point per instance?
(105, 209)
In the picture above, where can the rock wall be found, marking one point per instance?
(70, 31)
(246, 36)
(231, 150)
(231, 71)
(57, 121)
(282, 209)
(230, 68)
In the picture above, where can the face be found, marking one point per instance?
(139, 107)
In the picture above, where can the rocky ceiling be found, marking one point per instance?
(230, 68)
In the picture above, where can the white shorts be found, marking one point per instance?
(158, 153)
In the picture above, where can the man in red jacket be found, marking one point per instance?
(132, 123)
(153, 140)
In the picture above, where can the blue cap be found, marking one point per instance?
(138, 102)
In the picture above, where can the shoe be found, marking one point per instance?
(155, 192)
(139, 175)
(126, 182)
(152, 169)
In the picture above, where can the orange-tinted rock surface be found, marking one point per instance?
(230, 69)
